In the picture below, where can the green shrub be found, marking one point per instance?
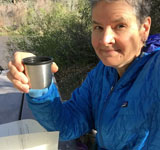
(64, 35)
(155, 14)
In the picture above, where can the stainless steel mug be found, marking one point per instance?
(38, 71)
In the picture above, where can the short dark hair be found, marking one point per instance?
(142, 7)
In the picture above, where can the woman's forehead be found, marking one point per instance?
(116, 11)
(113, 20)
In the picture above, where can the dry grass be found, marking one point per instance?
(13, 15)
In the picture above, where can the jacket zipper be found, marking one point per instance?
(105, 104)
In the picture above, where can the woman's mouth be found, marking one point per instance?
(108, 52)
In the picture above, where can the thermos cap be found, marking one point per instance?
(37, 60)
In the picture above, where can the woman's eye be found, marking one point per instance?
(98, 28)
(120, 26)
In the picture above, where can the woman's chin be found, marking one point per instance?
(110, 63)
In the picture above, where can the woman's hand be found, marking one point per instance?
(16, 71)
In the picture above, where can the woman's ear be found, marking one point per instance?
(145, 28)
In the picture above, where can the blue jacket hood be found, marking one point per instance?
(152, 44)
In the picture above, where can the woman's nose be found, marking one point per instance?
(108, 37)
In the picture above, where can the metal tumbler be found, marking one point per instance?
(38, 71)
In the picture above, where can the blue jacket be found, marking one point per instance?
(125, 112)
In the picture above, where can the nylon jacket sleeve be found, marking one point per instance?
(72, 118)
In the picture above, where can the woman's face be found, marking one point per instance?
(117, 37)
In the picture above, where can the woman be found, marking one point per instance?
(120, 97)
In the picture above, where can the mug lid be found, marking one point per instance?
(37, 60)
